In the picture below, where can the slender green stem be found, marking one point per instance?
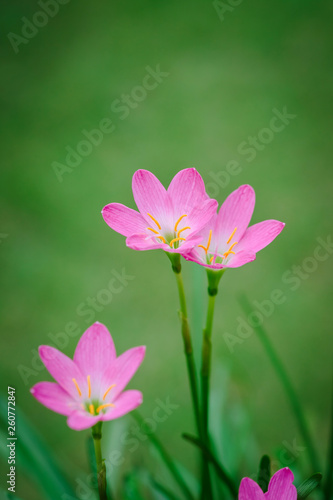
(329, 475)
(288, 387)
(188, 348)
(101, 472)
(166, 458)
(206, 364)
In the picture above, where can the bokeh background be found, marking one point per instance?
(226, 72)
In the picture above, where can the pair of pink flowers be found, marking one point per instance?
(183, 219)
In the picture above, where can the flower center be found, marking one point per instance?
(173, 239)
(93, 407)
(218, 258)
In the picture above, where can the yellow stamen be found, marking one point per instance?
(92, 409)
(228, 253)
(231, 236)
(156, 222)
(181, 230)
(178, 221)
(211, 260)
(89, 386)
(151, 229)
(176, 239)
(107, 392)
(103, 406)
(208, 243)
(162, 238)
(77, 386)
(232, 246)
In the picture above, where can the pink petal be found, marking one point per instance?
(236, 211)
(123, 370)
(53, 397)
(126, 402)
(201, 215)
(250, 490)
(260, 235)
(95, 351)
(143, 242)
(151, 198)
(281, 487)
(79, 420)
(241, 258)
(186, 190)
(62, 369)
(124, 220)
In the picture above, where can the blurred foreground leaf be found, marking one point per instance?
(35, 457)
(308, 486)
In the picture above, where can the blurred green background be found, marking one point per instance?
(226, 73)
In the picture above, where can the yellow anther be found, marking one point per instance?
(212, 258)
(89, 386)
(181, 230)
(151, 229)
(92, 409)
(156, 222)
(232, 246)
(176, 239)
(108, 390)
(77, 387)
(231, 236)
(103, 406)
(208, 243)
(162, 238)
(178, 221)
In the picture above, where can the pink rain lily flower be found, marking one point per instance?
(167, 219)
(280, 488)
(227, 239)
(89, 388)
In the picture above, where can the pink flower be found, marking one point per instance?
(89, 388)
(227, 240)
(167, 219)
(280, 488)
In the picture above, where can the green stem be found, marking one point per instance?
(288, 387)
(101, 472)
(213, 282)
(188, 348)
(329, 475)
(166, 458)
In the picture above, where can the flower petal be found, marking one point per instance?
(186, 190)
(53, 397)
(281, 486)
(79, 420)
(121, 372)
(62, 369)
(95, 352)
(144, 242)
(241, 258)
(152, 198)
(201, 215)
(126, 402)
(250, 490)
(236, 211)
(260, 235)
(122, 219)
